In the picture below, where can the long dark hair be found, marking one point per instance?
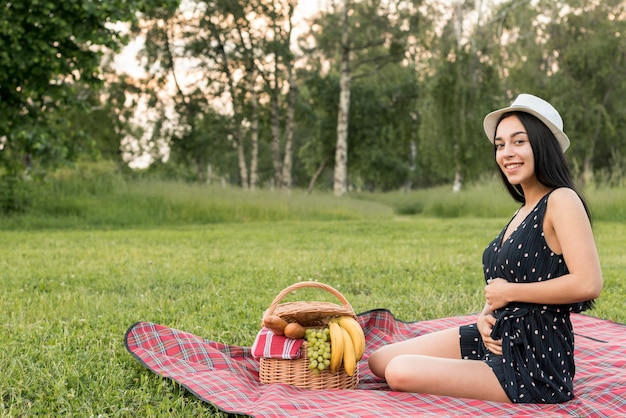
(551, 167)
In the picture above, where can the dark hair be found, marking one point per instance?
(551, 168)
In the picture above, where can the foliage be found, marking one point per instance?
(424, 75)
(579, 66)
(50, 49)
(383, 124)
(459, 95)
(50, 54)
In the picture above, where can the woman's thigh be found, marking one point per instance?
(443, 344)
(444, 376)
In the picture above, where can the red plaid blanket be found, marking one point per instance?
(227, 376)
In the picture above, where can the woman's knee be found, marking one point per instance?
(376, 363)
(400, 376)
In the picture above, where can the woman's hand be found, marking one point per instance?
(485, 324)
(495, 294)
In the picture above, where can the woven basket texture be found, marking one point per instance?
(296, 373)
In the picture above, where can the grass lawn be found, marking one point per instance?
(67, 295)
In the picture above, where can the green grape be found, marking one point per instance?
(319, 349)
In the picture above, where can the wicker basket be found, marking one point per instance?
(308, 314)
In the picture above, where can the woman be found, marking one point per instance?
(542, 266)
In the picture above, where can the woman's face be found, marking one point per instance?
(514, 154)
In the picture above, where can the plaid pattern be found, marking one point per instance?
(269, 345)
(227, 376)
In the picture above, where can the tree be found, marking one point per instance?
(360, 38)
(341, 150)
(49, 51)
(572, 53)
(276, 76)
(383, 127)
(589, 83)
(50, 55)
(459, 92)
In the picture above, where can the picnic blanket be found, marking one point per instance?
(227, 376)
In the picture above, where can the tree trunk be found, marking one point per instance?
(458, 182)
(241, 158)
(200, 170)
(289, 127)
(239, 133)
(412, 165)
(254, 134)
(316, 176)
(276, 137)
(341, 151)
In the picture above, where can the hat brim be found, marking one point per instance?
(491, 121)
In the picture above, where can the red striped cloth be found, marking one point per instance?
(269, 345)
(227, 376)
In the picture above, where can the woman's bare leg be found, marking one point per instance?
(432, 363)
(443, 376)
(444, 344)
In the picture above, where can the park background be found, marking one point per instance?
(235, 147)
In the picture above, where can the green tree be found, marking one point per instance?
(383, 127)
(572, 53)
(50, 53)
(319, 97)
(459, 95)
(359, 38)
(589, 82)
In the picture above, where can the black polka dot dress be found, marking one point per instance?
(537, 361)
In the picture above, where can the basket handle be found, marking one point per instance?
(312, 284)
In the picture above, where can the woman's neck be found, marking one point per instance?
(533, 194)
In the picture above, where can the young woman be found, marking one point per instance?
(542, 266)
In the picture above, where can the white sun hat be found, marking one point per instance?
(535, 106)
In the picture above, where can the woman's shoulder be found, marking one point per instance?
(564, 194)
(565, 200)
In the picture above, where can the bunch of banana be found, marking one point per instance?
(347, 342)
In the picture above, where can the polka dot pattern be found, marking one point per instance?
(537, 363)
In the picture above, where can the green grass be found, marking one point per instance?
(72, 284)
(142, 203)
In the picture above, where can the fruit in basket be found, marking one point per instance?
(349, 357)
(294, 330)
(356, 333)
(275, 323)
(336, 346)
(319, 349)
